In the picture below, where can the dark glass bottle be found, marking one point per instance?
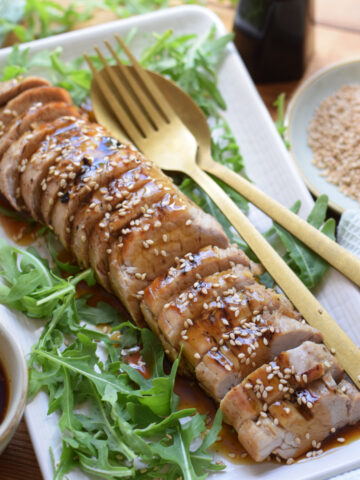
(274, 37)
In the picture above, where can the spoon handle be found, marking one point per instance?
(332, 252)
(335, 338)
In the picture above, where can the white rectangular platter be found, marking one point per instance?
(268, 164)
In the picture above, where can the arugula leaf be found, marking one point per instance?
(55, 249)
(103, 313)
(280, 122)
(309, 267)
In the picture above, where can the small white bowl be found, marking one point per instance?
(14, 365)
(301, 110)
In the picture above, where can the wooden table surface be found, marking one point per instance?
(337, 36)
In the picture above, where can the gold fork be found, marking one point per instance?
(152, 125)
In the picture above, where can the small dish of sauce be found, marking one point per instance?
(4, 393)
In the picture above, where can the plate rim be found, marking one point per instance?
(301, 89)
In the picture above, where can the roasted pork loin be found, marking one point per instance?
(173, 268)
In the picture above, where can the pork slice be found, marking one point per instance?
(261, 438)
(278, 379)
(185, 273)
(299, 425)
(176, 228)
(250, 345)
(349, 389)
(289, 333)
(35, 168)
(217, 372)
(190, 303)
(304, 357)
(308, 427)
(82, 162)
(31, 118)
(38, 95)
(15, 159)
(103, 202)
(12, 88)
(79, 191)
(110, 230)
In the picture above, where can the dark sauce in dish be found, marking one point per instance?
(4, 393)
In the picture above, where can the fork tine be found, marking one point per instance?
(131, 129)
(138, 116)
(153, 113)
(158, 97)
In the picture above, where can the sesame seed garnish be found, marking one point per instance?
(197, 355)
(341, 439)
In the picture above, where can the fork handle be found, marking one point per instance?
(332, 252)
(347, 352)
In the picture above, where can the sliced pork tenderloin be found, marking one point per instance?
(83, 160)
(190, 303)
(277, 380)
(28, 98)
(103, 203)
(185, 273)
(15, 159)
(252, 352)
(80, 190)
(113, 226)
(307, 427)
(12, 88)
(37, 114)
(36, 168)
(149, 249)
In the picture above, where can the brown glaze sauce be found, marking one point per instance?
(4, 393)
(20, 231)
(191, 395)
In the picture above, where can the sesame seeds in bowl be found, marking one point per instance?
(322, 139)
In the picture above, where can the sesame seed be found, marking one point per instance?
(197, 355)
(341, 439)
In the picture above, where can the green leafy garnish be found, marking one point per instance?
(308, 266)
(32, 19)
(280, 120)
